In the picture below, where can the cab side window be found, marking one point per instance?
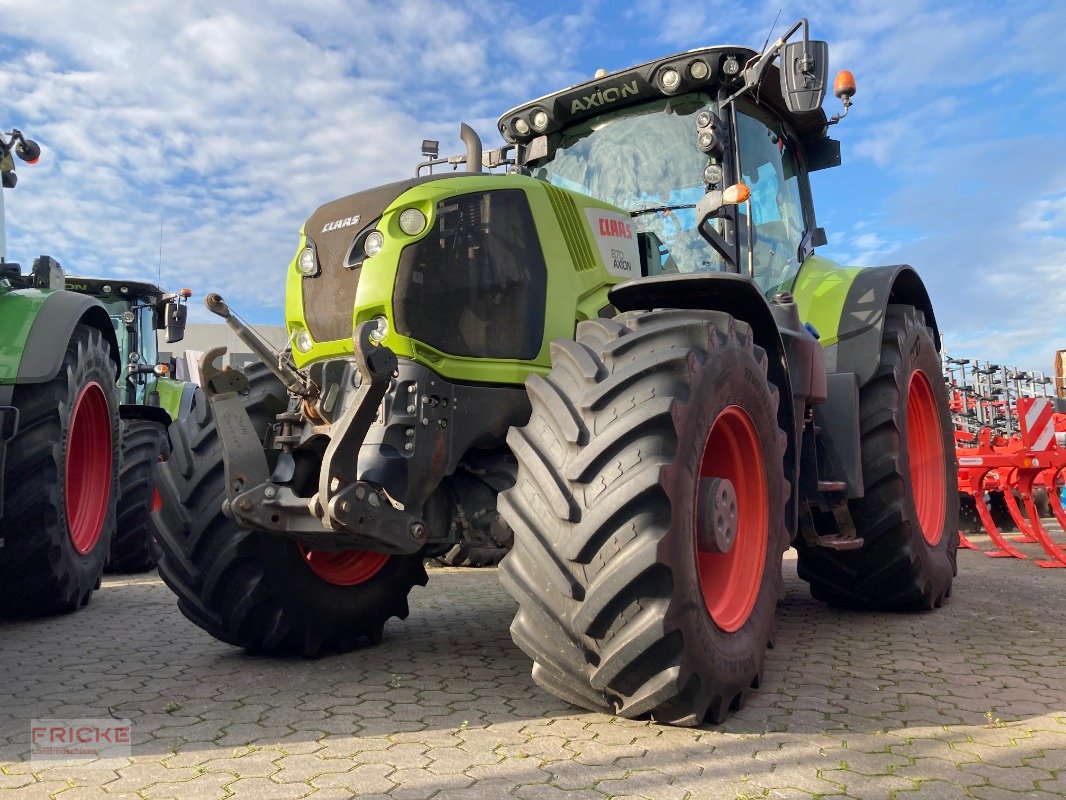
(770, 168)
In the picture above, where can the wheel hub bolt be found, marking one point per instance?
(716, 515)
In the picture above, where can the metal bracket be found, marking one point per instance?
(361, 517)
(244, 457)
(846, 539)
(340, 462)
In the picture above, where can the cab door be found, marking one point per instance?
(773, 226)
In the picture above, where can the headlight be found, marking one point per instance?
(373, 243)
(521, 126)
(412, 221)
(539, 120)
(128, 317)
(304, 342)
(699, 70)
(306, 265)
(670, 79)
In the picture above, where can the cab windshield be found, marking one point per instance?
(643, 159)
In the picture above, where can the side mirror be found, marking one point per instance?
(804, 74)
(28, 150)
(174, 321)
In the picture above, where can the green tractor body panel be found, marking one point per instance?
(170, 394)
(36, 324)
(564, 241)
(821, 292)
(847, 307)
(18, 310)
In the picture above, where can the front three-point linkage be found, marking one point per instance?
(345, 513)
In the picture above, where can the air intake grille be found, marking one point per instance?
(577, 242)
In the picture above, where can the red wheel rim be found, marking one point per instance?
(344, 567)
(87, 467)
(925, 454)
(730, 581)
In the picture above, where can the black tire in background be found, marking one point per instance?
(253, 589)
(60, 483)
(997, 507)
(132, 548)
(621, 608)
(909, 516)
(969, 521)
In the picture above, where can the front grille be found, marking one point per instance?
(475, 285)
(329, 297)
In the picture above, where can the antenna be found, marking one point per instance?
(159, 268)
(771, 33)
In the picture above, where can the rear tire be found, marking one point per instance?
(909, 516)
(619, 607)
(132, 548)
(60, 483)
(258, 590)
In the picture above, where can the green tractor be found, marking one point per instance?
(625, 354)
(149, 401)
(59, 430)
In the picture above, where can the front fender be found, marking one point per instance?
(36, 328)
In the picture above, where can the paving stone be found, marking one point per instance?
(445, 707)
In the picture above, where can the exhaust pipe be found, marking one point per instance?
(473, 147)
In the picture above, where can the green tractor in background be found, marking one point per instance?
(83, 416)
(150, 399)
(626, 354)
(59, 430)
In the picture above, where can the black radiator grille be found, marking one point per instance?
(329, 297)
(475, 285)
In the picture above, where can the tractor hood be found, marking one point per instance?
(336, 232)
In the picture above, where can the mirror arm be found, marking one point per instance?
(837, 117)
(717, 241)
(755, 73)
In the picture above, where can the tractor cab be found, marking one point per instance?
(137, 311)
(665, 140)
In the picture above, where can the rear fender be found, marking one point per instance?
(848, 305)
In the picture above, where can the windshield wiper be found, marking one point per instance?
(658, 209)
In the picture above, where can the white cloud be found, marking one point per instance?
(232, 121)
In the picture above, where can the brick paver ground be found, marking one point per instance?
(969, 701)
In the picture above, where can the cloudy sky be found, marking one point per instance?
(228, 123)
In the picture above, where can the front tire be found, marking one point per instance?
(60, 483)
(622, 606)
(909, 516)
(258, 590)
(132, 548)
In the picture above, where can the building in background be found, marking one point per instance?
(200, 338)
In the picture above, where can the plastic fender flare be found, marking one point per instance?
(736, 295)
(47, 341)
(146, 413)
(862, 318)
